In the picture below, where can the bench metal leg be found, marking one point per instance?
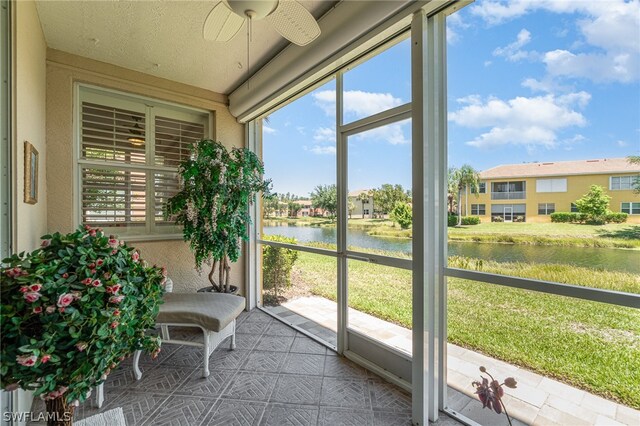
(233, 337)
(136, 369)
(100, 395)
(206, 354)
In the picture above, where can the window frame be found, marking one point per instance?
(479, 211)
(631, 208)
(620, 183)
(545, 211)
(151, 107)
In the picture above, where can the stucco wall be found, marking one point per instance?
(30, 220)
(63, 70)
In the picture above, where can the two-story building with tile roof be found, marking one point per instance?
(532, 191)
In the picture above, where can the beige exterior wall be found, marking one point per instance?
(577, 186)
(30, 220)
(63, 71)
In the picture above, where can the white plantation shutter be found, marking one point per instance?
(129, 153)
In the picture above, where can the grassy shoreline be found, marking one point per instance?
(590, 345)
(619, 236)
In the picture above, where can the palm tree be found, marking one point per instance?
(363, 197)
(451, 187)
(465, 176)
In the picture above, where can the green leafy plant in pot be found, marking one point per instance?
(217, 188)
(71, 311)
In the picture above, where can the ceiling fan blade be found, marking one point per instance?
(221, 24)
(294, 22)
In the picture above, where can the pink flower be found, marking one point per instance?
(116, 312)
(93, 271)
(86, 281)
(87, 227)
(50, 309)
(45, 243)
(56, 393)
(113, 289)
(35, 287)
(107, 275)
(37, 310)
(96, 283)
(65, 275)
(135, 256)
(32, 296)
(113, 243)
(65, 300)
(99, 262)
(116, 299)
(114, 324)
(81, 346)
(45, 358)
(92, 232)
(61, 310)
(24, 289)
(114, 251)
(27, 360)
(164, 271)
(91, 265)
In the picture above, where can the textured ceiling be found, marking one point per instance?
(162, 38)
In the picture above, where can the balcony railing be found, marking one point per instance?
(516, 195)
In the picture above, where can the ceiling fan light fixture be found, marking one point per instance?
(134, 140)
(256, 9)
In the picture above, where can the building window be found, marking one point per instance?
(365, 211)
(482, 188)
(574, 208)
(630, 208)
(551, 185)
(546, 208)
(129, 152)
(478, 209)
(508, 190)
(621, 182)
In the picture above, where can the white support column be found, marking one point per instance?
(429, 164)
(253, 272)
(342, 190)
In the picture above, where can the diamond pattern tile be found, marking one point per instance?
(289, 415)
(186, 356)
(269, 362)
(330, 416)
(307, 364)
(304, 345)
(386, 397)
(274, 343)
(210, 387)
(181, 410)
(246, 341)
(279, 329)
(340, 367)
(392, 419)
(162, 380)
(251, 386)
(139, 406)
(250, 327)
(297, 389)
(352, 393)
(235, 413)
(226, 359)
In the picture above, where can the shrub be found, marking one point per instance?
(72, 310)
(277, 262)
(497, 219)
(616, 217)
(564, 217)
(595, 205)
(471, 220)
(519, 219)
(452, 220)
(401, 213)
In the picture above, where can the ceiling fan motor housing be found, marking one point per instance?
(255, 9)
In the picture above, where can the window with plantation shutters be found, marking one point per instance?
(129, 151)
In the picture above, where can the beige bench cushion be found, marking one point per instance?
(213, 311)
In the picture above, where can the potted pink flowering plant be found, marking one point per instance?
(71, 311)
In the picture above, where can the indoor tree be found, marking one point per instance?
(217, 187)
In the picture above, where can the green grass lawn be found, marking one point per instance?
(590, 345)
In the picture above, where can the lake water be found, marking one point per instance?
(605, 258)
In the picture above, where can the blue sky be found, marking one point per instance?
(530, 80)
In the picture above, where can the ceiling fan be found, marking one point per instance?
(288, 17)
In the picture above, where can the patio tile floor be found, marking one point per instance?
(277, 376)
(538, 400)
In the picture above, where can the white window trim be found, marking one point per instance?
(176, 110)
(631, 203)
(620, 177)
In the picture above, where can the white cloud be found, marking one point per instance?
(301, 130)
(610, 51)
(392, 134)
(530, 122)
(324, 134)
(323, 150)
(357, 104)
(513, 51)
(267, 129)
(622, 144)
